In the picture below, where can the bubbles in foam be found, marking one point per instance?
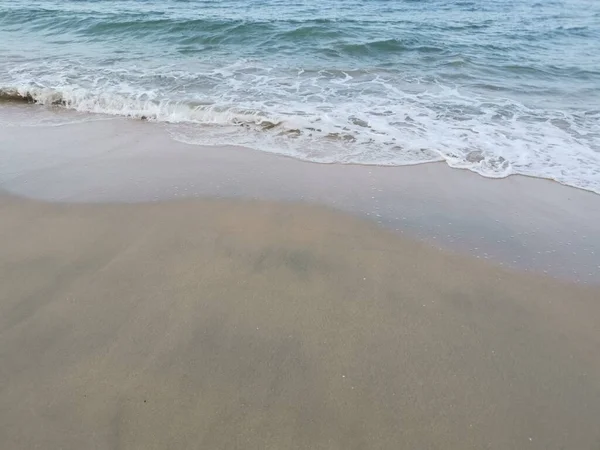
(331, 116)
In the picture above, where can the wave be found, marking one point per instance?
(481, 85)
(494, 140)
(170, 112)
(139, 108)
(14, 95)
(384, 46)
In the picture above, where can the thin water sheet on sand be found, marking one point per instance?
(522, 222)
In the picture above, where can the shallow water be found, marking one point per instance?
(500, 88)
(552, 229)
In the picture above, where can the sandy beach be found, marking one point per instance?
(229, 324)
(272, 225)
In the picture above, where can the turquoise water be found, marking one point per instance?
(499, 87)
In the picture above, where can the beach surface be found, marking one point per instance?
(231, 324)
(525, 223)
(275, 225)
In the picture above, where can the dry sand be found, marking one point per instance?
(253, 325)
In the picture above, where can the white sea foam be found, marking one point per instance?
(335, 117)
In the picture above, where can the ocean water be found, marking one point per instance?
(499, 87)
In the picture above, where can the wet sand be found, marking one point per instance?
(230, 324)
(530, 224)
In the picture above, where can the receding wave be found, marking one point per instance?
(482, 140)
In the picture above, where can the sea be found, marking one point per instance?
(498, 87)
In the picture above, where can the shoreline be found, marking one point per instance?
(154, 292)
(233, 226)
(526, 223)
(14, 102)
